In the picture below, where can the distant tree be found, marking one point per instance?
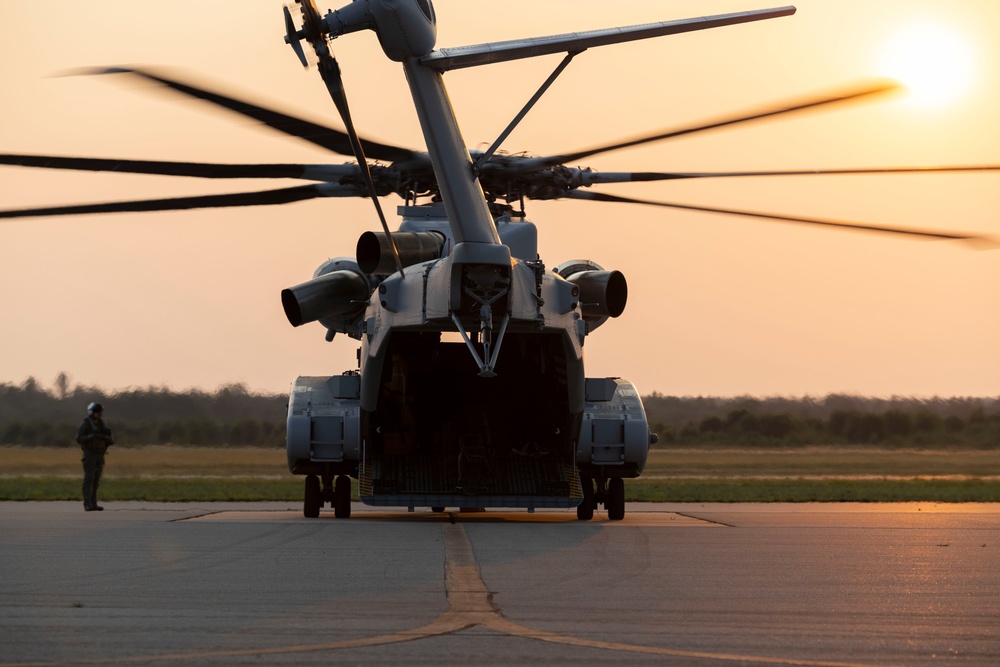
(62, 385)
(898, 424)
(954, 424)
(741, 422)
(927, 422)
(776, 427)
(837, 425)
(866, 428)
(711, 425)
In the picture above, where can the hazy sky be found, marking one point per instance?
(717, 305)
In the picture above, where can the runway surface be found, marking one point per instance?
(678, 584)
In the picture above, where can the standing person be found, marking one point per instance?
(94, 436)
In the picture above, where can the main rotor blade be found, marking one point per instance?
(260, 198)
(593, 178)
(326, 137)
(319, 172)
(793, 106)
(856, 226)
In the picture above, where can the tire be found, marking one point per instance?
(437, 509)
(615, 504)
(342, 497)
(313, 498)
(585, 510)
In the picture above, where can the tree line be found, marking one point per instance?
(834, 419)
(233, 415)
(31, 415)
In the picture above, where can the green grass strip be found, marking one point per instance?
(161, 489)
(805, 491)
(684, 490)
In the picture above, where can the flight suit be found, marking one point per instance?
(94, 436)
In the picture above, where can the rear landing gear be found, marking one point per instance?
(585, 510)
(610, 492)
(615, 502)
(342, 498)
(314, 497)
(337, 494)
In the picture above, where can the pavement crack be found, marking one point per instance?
(712, 521)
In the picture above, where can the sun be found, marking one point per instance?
(934, 62)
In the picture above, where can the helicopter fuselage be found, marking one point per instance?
(471, 388)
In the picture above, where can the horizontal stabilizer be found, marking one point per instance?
(496, 52)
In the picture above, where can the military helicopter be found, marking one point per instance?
(470, 389)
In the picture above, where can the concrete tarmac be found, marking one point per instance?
(674, 584)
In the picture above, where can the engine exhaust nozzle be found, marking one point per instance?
(335, 294)
(602, 293)
(374, 251)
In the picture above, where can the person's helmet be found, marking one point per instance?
(94, 407)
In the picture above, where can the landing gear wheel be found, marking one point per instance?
(342, 498)
(585, 510)
(314, 497)
(615, 504)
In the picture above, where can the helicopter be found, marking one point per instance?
(470, 389)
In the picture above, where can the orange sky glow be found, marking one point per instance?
(717, 305)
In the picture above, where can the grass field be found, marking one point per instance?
(163, 473)
(821, 460)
